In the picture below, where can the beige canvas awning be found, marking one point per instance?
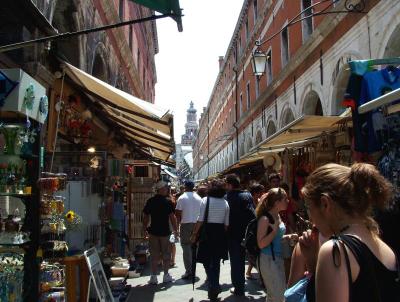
(300, 131)
(146, 142)
(130, 124)
(146, 125)
(143, 112)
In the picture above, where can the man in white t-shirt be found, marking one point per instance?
(187, 211)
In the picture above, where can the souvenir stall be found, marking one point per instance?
(373, 94)
(298, 149)
(93, 128)
(23, 110)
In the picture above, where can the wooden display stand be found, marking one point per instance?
(72, 264)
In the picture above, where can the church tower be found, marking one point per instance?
(191, 126)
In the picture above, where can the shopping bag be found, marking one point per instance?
(298, 292)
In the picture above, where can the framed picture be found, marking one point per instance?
(98, 276)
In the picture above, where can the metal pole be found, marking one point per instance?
(66, 35)
(208, 142)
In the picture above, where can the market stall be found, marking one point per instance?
(24, 107)
(373, 94)
(97, 134)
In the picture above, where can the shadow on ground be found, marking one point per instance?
(182, 290)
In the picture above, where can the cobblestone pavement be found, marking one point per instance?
(182, 291)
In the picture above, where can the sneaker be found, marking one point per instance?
(186, 276)
(233, 291)
(167, 278)
(153, 280)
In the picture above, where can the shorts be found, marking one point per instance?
(160, 246)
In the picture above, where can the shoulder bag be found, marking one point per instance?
(203, 229)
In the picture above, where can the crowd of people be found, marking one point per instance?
(340, 257)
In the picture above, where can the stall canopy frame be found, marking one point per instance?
(300, 131)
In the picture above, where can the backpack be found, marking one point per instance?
(250, 238)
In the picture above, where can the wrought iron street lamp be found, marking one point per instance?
(259, 58)
(259, 62)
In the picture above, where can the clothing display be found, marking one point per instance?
(389, 166)
(370, 128)
(378, 133)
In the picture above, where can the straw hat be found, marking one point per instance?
(272, 160)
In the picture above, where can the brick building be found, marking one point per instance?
(306, 72)
(122, 57)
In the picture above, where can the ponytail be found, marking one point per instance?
(371, 188)
(357, 190)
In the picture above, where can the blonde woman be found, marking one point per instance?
(270, 233)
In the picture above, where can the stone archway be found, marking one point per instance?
(287, 117)
(70, 49)
(339, 81)
(99, 69)
(339, 91)
(271, 128)
(312, 104)
(258, 137)
(392, 48)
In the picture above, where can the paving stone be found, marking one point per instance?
(182, 290)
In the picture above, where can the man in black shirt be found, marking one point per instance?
(240, 214)
(161, 212)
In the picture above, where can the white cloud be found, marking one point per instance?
(187, 64)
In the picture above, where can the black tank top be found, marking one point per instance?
(375, 282)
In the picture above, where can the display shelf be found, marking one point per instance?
(17, 195)
(21, 244)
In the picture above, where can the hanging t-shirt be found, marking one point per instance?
(374, 85)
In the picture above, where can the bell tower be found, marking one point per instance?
(191, 126)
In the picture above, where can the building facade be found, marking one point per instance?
(306, 71)
(122, 57)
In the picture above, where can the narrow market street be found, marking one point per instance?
(182, 290)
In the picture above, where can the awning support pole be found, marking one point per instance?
(66, 35)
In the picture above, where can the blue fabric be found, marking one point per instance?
(298, 292)
(374, 85)
(237, 255)
(277, 242)
(212, 270)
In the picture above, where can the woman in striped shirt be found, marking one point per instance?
(212, 242)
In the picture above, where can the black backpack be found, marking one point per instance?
(250, 238)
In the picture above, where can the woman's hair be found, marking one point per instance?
(216, 188)
(268, 200)
(202, 191)
(356, 190)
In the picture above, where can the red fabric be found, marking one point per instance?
(290, 210)
(349, 103)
